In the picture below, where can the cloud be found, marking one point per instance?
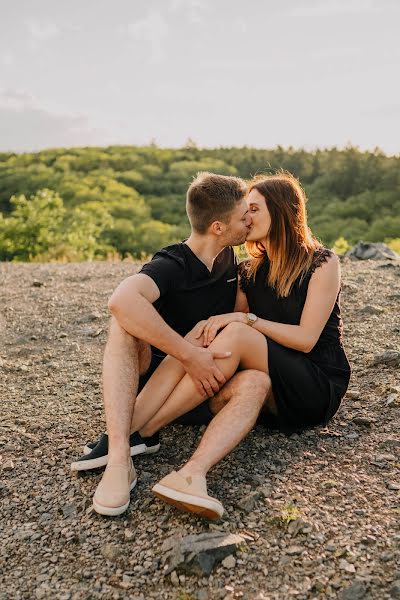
(27, 126)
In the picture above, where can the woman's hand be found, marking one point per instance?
(211, 327)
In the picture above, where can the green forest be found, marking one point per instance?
(73, 204)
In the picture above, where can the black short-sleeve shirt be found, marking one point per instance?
(189, 292)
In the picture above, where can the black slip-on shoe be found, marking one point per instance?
(136, 441)
(92, 445)
(98, 451)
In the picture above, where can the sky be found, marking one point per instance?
(302, 73)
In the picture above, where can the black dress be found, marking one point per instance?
(307, 387)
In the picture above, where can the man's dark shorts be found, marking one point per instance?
(201, 415)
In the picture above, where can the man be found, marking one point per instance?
(152, 311)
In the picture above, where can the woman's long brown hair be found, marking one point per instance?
(291, 245)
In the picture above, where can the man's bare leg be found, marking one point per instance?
(124, 358)
(242, 397)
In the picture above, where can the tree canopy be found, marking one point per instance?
(88, 203)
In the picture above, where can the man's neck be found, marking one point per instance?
(205, 247)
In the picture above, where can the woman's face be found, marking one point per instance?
(260, 217)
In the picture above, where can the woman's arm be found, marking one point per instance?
(321, 295)
(241, 304)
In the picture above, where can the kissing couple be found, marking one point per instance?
(197, 338)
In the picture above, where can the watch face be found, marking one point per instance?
(252, 317)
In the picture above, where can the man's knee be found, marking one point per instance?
(252, 385)
(115, 330)
(256, 384)
(117, 335)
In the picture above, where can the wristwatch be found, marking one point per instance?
(251, 319)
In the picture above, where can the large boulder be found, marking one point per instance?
(374, 251)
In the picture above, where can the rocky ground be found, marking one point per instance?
(318, 514)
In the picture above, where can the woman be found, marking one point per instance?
(289, 294)
(292, 285)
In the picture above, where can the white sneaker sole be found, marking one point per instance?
(204, 507)
(139, 449)
(114, 511)
(101, 461)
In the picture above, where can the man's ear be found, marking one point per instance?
(217, 228)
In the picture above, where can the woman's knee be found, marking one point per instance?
(242, 331)
(249, 343)
(237, 333)
(236, 327)
(193, 335)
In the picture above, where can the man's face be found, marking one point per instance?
(238, 227)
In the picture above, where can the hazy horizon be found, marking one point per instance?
(310, 74)
(199, 147)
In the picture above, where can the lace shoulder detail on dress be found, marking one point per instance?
(243, 275)
(321, 255)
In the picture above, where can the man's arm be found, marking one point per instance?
(132, 305)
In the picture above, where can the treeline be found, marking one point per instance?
(87, 203)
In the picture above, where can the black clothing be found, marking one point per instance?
(189, 291)
(307, 387)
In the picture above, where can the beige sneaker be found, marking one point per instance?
(190, 494)
(112, 495)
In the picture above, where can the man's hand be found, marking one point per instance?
(201, 367)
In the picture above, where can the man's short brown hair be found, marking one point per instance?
(212, 197)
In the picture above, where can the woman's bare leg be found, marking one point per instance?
(249, 351)
(160, 386)
(156, 391)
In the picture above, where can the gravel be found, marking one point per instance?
(319, 512)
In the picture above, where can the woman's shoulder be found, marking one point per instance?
(243, 266)
(244, 275)
(322, 256)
